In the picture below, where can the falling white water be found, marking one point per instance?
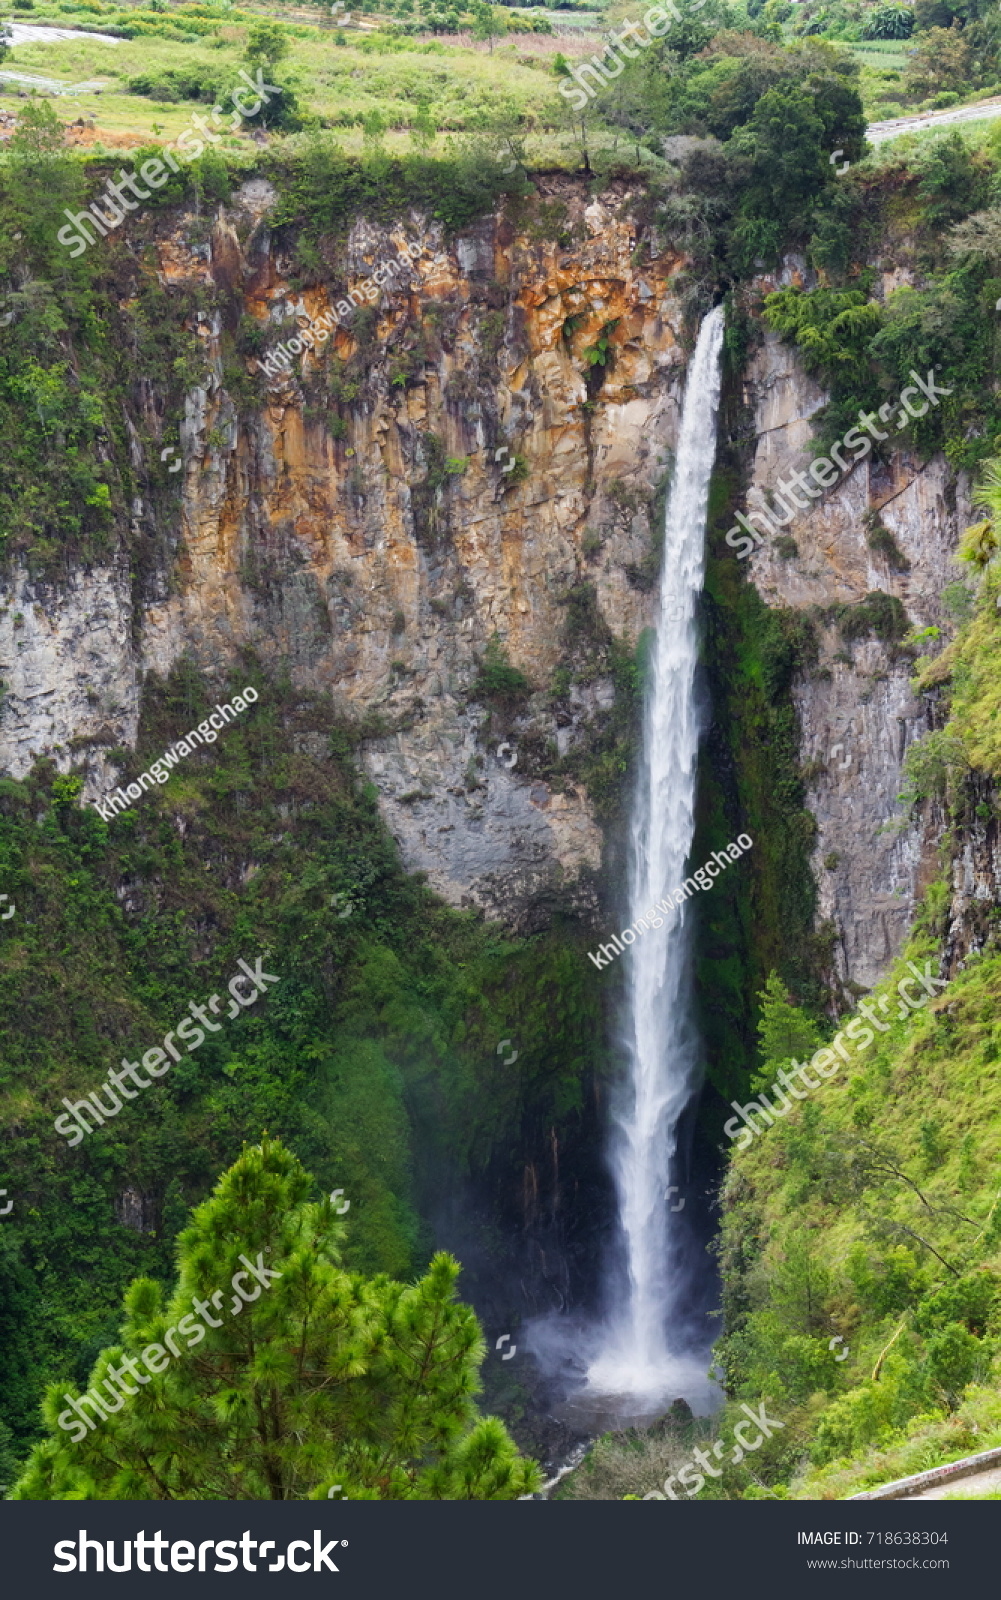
(639, 1356)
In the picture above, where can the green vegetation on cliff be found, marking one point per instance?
(970, 669)
(374, 1059)
(751, 781)
(870, 1214)
(868, 1221)
(861, 1243)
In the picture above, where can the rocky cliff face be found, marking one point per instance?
(975, 883)
(857, 712)
(453, 463)
(509, 404)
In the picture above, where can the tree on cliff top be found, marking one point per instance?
(489, 23)
(319, 1379)
(267, 44)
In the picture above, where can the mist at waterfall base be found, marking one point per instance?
(652, 1342)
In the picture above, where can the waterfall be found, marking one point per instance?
(661, 1046)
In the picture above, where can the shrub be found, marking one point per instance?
(880, 614)
(857, 1420)
(941, 60)
(933, 766)
(968, 1301)
(880, 540)
(952, 1358)
(889, 22)
(172, 84)
(497, 680)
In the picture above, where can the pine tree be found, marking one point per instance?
(321, 1378)
(784, 1031)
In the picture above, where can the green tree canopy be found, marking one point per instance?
(322, 1378)
(267, 43)
(785, 1032)
(40, 180)
(489, 22)
(783, 143)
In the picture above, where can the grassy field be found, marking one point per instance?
(339, 75)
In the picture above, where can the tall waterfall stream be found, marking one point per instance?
(643, 1352)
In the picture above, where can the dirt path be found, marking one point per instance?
(978, 1482)
(32, 33)
(879, 132)
(53, 85)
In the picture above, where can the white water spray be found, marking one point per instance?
(660, 1040)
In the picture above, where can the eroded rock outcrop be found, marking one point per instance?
(857, 711)
(480, 442)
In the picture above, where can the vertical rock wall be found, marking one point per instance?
(857, 712)
(502, 417)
